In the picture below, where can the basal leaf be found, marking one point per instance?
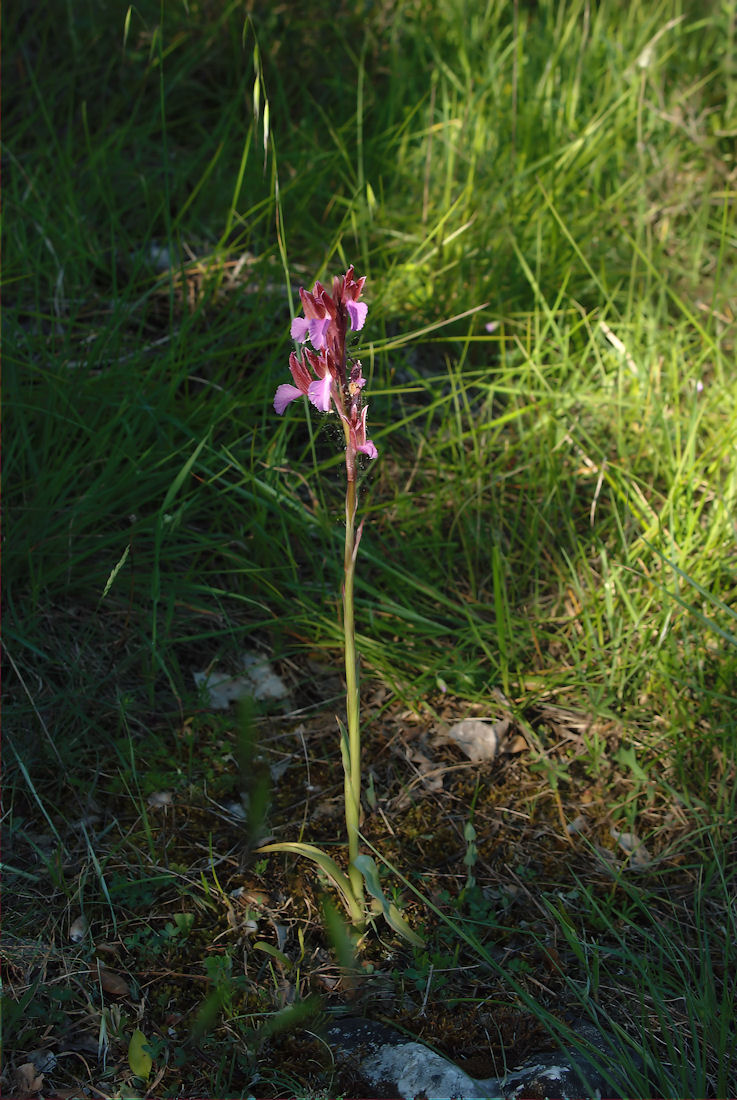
(393, 917)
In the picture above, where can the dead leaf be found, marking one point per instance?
(631, 844)
(428, 769)
(27, 1081)
(517, 745)
(105, 948)
(113, 983)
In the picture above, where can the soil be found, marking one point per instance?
(223, 957)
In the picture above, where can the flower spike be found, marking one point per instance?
(323, 373)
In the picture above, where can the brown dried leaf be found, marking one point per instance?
(27, 1081)
(113, 983)
(427, 768)
(258, 898)
(105, 948)
(516, 745)
(635, 849)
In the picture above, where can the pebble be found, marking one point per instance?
(393, 1066)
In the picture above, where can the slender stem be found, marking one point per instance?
(353, 771)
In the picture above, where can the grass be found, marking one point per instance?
(550, 527)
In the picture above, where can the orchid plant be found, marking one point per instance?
(333, 382)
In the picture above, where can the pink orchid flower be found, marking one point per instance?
(325, 313)
(324, 375)
(318, 389)
(357, 429)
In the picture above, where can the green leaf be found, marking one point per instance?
(328, 866)
(182, 476)
(340, 938)
(344, 750)
(139, 1058)
(274, 952)
(393, 917)
(628, 758)
(184, 922)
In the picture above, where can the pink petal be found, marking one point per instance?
(318, 328)
(284, 396)
(367, 448)
(319, 393)
(300, 328)
(357, 312)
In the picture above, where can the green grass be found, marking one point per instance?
(552, 514)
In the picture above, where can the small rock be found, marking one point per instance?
(78, 931)
(479, 739)
(393, 1066)
(159, 800)
(259, 682)
(639, 857)
(43, 1060)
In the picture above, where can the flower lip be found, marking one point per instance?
(368, 448)
(318, 390)
(319, 393)
(300, 329)
(318, 332)
(357, 312)
(284, 396)
(356, 428)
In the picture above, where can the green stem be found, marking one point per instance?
(353, 769)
